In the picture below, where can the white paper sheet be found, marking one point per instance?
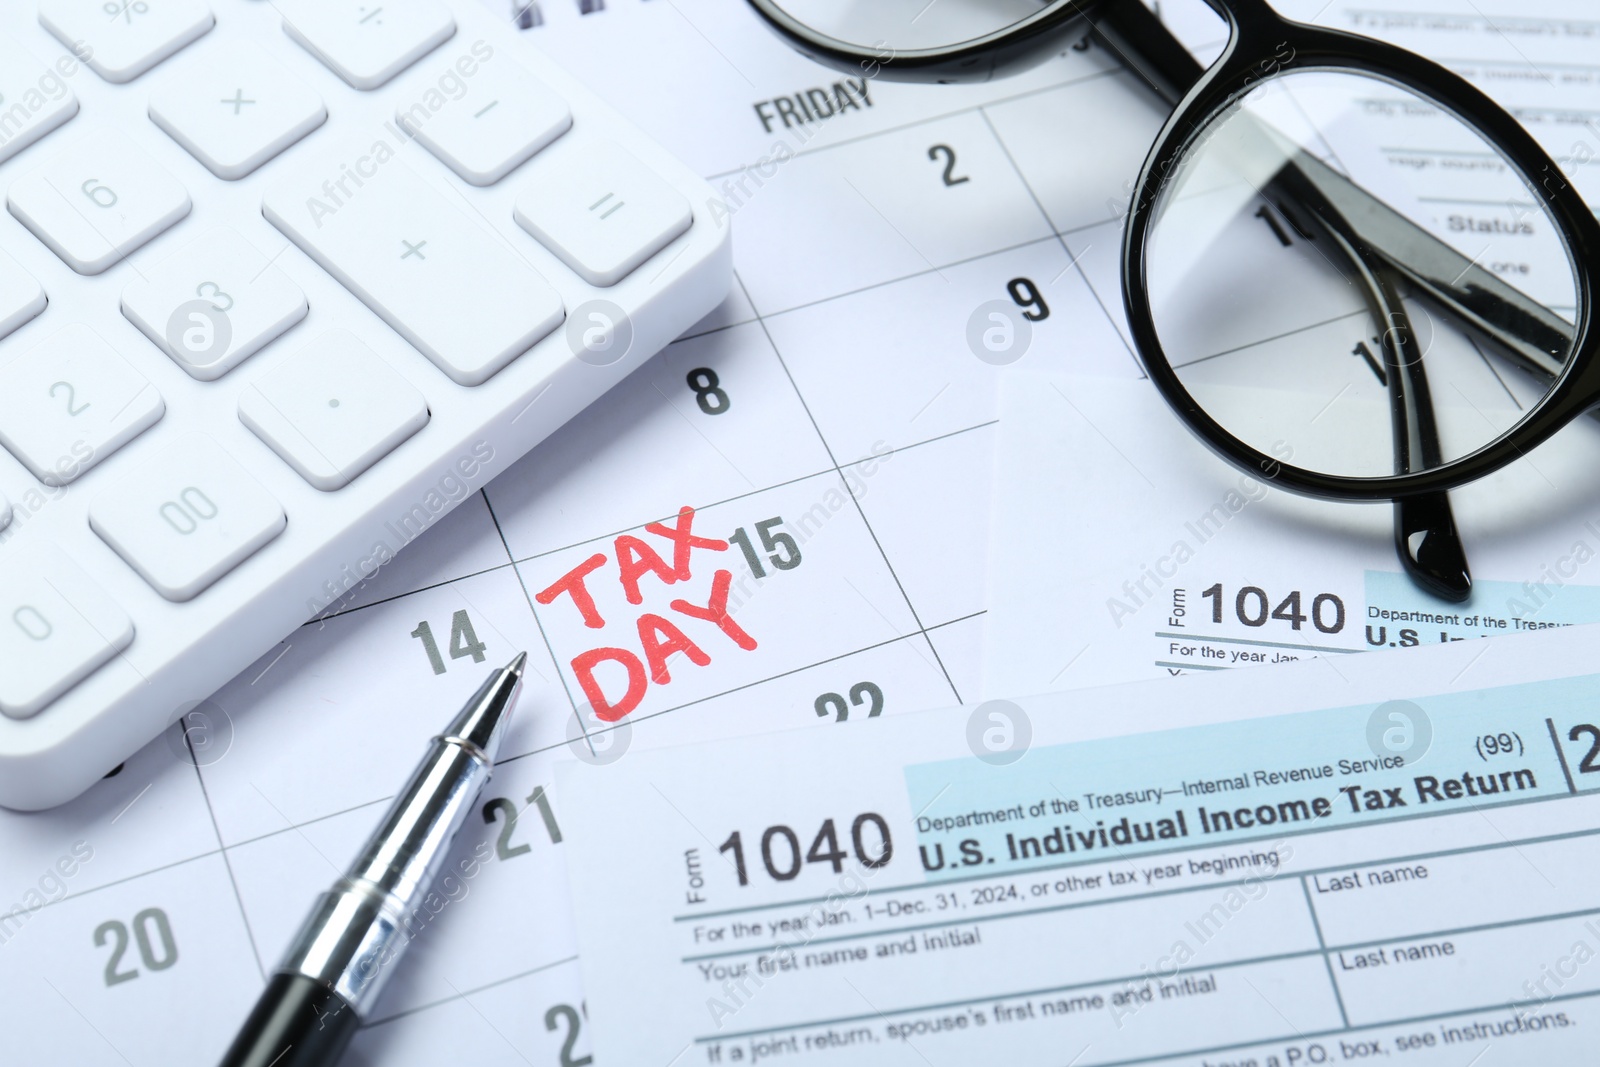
(1130, 550)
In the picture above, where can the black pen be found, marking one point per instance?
(332, 974)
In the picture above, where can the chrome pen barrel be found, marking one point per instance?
(363, 924)
(405, 854)
(349, 942)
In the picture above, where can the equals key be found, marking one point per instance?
(573, 204)
(612, 210)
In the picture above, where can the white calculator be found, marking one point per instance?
(280, 285)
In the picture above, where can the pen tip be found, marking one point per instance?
(514, 668)
(482, 723)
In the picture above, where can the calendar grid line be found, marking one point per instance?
(844, 482)
(113, 883)
(709, 443)
(514, 561)
(216, 828)
(763, 681)
(1076, 262)
(879, 612)
(401, 596)
(1077, 265)
(667, 518)
(936, 438)
(757, 492)
(465, 993)
(506, 760)
(1307, 328)
(222, 851)
(329, 616)
(938, 268)
(309, 822)
(719, 328)
(543, 636)
(713, 504)
(1055, 234)
(1073, 231)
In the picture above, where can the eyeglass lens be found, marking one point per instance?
(1349, 278)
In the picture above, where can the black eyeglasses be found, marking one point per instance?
(1350, 272)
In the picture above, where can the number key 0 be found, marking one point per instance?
(56, 627)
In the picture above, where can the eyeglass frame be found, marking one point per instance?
(1258, 40)
(1254, 26)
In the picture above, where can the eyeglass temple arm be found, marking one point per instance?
(1425, 533)
(1426, 538)
(1142, 43)
(1534, 336)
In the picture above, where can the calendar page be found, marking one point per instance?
(811, 465)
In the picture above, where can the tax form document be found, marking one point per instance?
(1122, 548)
(1390, 858)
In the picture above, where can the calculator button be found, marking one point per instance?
(237, 110)
(70, 402)
(506, 117)
(24, 78)
(56, 628)
(186, 518)
(367, 42)
(21, 297)
(213, 304)
(602, 211)
(98, 202)
(125, 38)
(333, 410)
(455, 292)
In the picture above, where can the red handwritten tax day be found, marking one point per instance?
(659, 636)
